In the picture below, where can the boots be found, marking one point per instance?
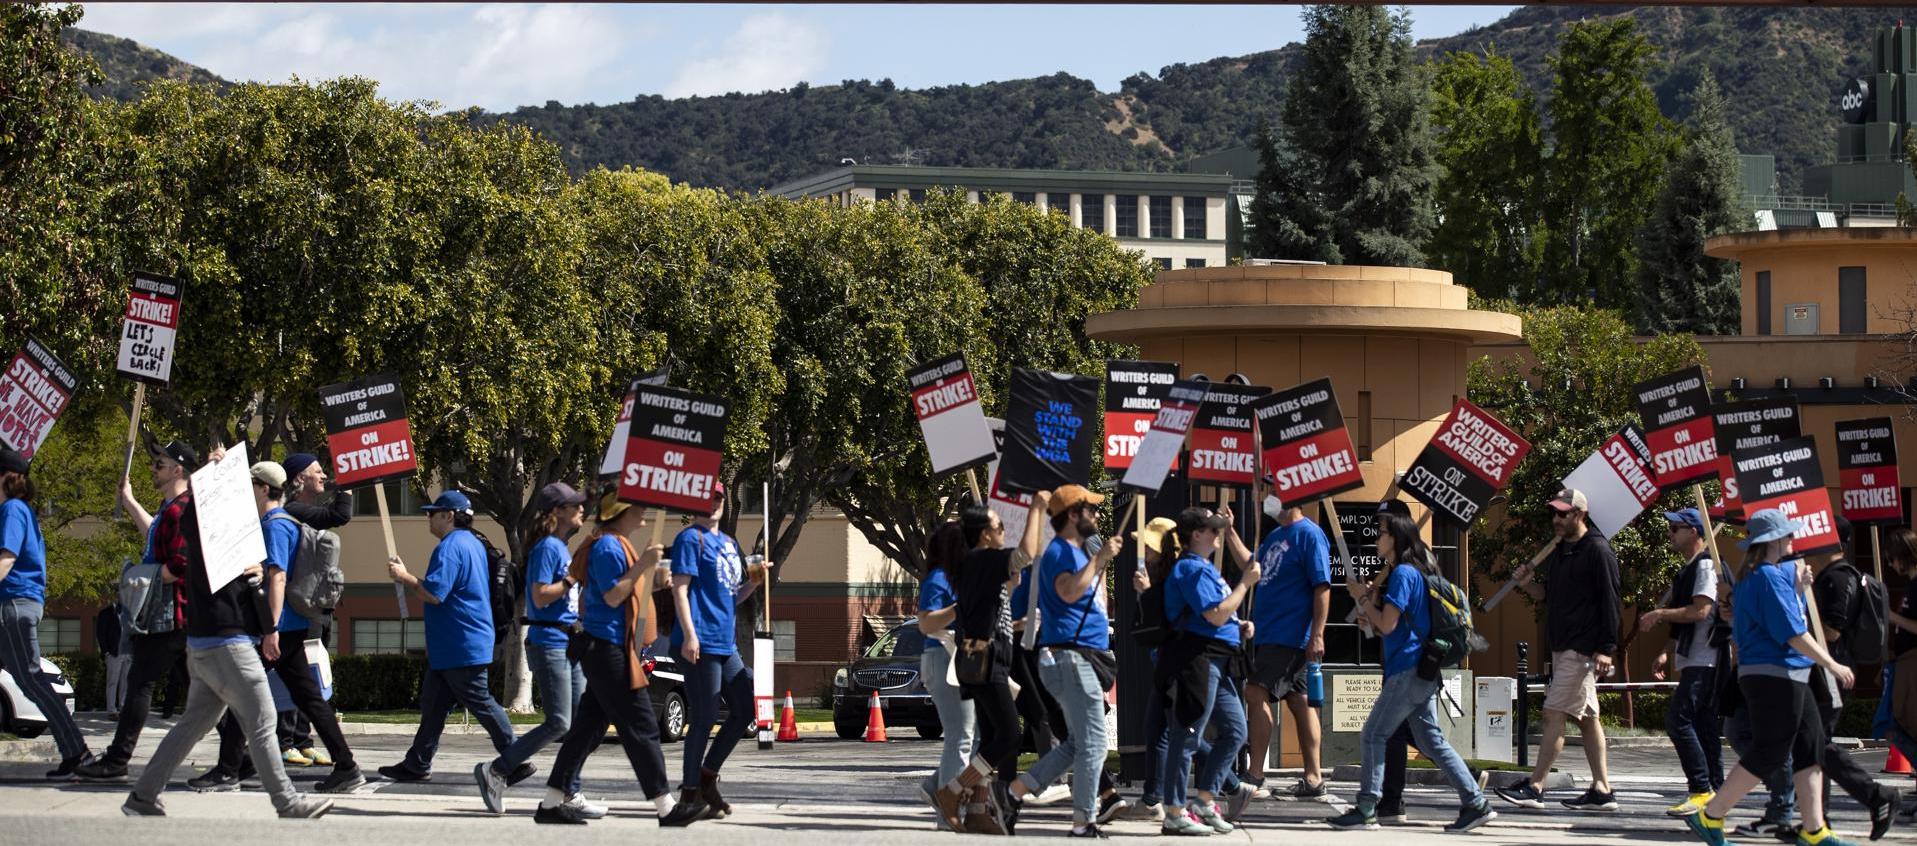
(691, 808)
(716, 807)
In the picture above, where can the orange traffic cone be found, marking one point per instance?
(788, 721)
(1896, 762)
(875, 722)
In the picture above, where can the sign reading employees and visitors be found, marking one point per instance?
(33, 392)
(1133, 390)
(152, 321)
(1223, 448)
(1617, 480)
(1308, 451)
(676, 447)
(1159, 451)
(1867, 466)
(945, 401)
(367, 431)
(1748, 425)
(1470, 459)
(1676, 411)
(1786, 476)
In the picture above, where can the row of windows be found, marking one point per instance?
(1092, 210)
(1166, 263)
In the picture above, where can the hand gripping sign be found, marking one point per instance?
(1048, 441)
(1470, 459)
(1133, 391)
(1786, 476)
(1676, 411)
(945, 401)
(152, 321)
(34, 390)
(1617, 480)
(622, 430)
(1159, 450)
(1223, 442)
(1748, 425)
(674, 453)
(1867, 466)
(1308, 451)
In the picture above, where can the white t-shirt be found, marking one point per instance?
(1702, 654)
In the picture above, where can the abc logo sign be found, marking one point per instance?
(1852, 103)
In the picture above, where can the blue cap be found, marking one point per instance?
(1768, 525)
(1686, 516)
(453, 501)
(297, 463)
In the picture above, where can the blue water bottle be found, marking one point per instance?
(1315, 685)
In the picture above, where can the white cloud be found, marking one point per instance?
(766, 52)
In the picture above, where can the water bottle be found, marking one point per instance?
(1315, 685)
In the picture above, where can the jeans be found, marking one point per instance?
(225, 678)
(1692, 725)
(1783, 793)
(154, 657)
(1222, 704)
(1160, 734)
(955, 714)
(561, 682)
(439, 691)
(1070, 679)
(20, 654)
(1035, 706)
(713, 675)
(611, 699)
(304, 689)
(1406, 700)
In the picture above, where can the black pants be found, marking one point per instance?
(308, 699)
(1841, 768)
(998, 729)
(611, 699)
(154, 657)
(1031, 709)
(1785, 727)
(294, 730)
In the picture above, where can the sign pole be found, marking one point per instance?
(767, 587)
(392, 549)
(1536, 561)
(1710, 531)
(1876, 553)
(132, 436)
(971, 479)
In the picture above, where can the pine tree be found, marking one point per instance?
(1680, 288)
(1489, 151)
(1288, 219)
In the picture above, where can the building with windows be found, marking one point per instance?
(1178, 220)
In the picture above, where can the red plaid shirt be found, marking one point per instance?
(169, 548)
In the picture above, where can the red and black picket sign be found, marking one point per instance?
(1470, 459)
(1867, 467)
(1308, 451)
(946, 402)
(622, 427)
(367, 431)
(1158, 453)
(1676, 412)
(1048, 436)
(34, 391)
(676, 446)
(1133, 391)
(1224, 450)
(1616, 480)
(152, 323)
(1744, 426)
(1787, 476)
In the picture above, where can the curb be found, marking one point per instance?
(40, 750)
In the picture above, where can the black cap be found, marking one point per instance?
(181, 454)
(1395, 506)
(555, 495)
(1195, 518)
(11, 461)
(1843, 530)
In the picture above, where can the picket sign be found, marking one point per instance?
(1536, 562)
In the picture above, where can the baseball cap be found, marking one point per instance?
(610, 506)
(555, 495)
(453, 501)
(1395, 506)
(180, 453)
(1687, 517)
(11, 461)
(270, 474)
(1195, 518)
(297, 463)
(1153, 536)
(718, 491)
(1068, 497)
(1570, 499)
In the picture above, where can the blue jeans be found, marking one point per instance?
(1069, 677)
(20, 655)
(1160, 734)
(561, 681)
(1783, 791)
(439, 691)
(1407, 700)
(1222, 705)
(713, 675)
(955, 714)
(1692, 726)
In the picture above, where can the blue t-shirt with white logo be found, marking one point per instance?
(1406, 590)
(282, 538)
(1061, 623)
(712, 560)
(459, 627)
(20, 535)
(1294, 561)
(1192, 588)
(546, 563)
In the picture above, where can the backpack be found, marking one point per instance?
(503, 580)
(1868, 633)
(317, 582)
(1451, 637)
(1150, 628)
(148, 599)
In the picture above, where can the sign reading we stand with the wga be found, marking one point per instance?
(1308, 451)
(677, 445)
(1676, 411)
(945, 401)
(1470, 459)
(1047, 441)
(367, 431)
(1133, 391)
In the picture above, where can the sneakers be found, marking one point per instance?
(295, 758)
(1391, 814)
(1146, 812)
(1472, 816)
(1691, 804)
(1354, 819)
(215, 780)
(1830, 839)
(1237, 800)
(1593, 799)
(1110, 806)
(1207, 813)
(492, 787)
(137, 807)
(1522, 795)
(306, 808)
(1090, 831)
(1708, 829)
(1882, 813)
(69, 767)
(577, 802)
(558, 815)
(401, 772)
(1051, 795)
(341, 781)
(1766, 827)
(1183, 824)
(317, 756)
(1305, 791)
(1258, 789)
(99, 770)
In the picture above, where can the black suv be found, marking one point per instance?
(891, 668)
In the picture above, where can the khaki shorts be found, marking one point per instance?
(1573, 690)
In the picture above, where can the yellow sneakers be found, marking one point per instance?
(319, 758)
(293, 758)
(1692, 805)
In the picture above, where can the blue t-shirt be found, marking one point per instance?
(20, 535)
(1769, 613)
(1294, 561)
(1022, 595)
(153, 528)
(712, 560)
(935, 594)
(1081, 623)
(1406, 590)
(282, 547)
(1193, 587)
(546, 563)
(459, 628)
(606, 564)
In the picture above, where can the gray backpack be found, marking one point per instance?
(317, 582)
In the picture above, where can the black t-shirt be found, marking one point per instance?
(982, 600)
(1836, 591)
(1902, 641)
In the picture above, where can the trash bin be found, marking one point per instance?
(1496, 697)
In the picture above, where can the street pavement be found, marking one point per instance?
(816, 791)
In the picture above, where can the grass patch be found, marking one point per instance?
(813, 715)
(412, 717)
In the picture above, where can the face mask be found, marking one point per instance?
(1273, 506)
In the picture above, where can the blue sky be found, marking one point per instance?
(502, 56)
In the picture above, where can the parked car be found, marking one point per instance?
(18, 715)
(889, 667)
(669, 696)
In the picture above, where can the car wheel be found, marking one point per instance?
(848, 727)
(931, 731)
(672, 728)
(29, 731)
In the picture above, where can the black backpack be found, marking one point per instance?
(503, 580)
(1150, 627)
(1867, 635)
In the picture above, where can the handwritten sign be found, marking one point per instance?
(33, 392)
(229, 520)
(147, 334)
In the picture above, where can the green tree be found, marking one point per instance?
(1609, 146)
(76, 476)
(1358, 109)
(1288, 218)
(1680, 288)
(1489, 152)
